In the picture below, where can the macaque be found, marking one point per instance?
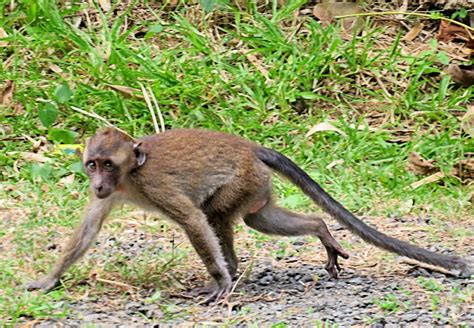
(205, 181)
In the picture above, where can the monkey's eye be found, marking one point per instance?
(90, 165)
(108, 166)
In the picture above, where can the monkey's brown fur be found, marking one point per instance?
(205, 181)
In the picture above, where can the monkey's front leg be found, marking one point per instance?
(205, 242)
(207, 246)
(96, 212)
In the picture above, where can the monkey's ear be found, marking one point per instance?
(140, 155)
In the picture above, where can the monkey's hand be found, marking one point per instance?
(45, 284)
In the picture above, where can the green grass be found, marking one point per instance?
(198, 66)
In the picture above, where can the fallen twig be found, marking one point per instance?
(117, 283)
(428, 266)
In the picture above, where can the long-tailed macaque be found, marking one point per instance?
(205, 181)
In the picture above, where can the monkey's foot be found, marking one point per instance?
(212, 292)
(332, 266)
(45, 284)
(468, 268)
(205, 290)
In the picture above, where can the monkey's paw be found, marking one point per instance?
(468, 269)
(205, 290)
(332, 266)
(46, 284)
(212, 292)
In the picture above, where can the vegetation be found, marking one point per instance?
(266, 75)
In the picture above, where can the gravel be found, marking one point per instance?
(287, 291)
(302, 295)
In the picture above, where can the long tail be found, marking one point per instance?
(295, 174)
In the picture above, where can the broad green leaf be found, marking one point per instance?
(62, 93)
(208, 5)
(48, 114)
(77, 167)
(157, 28)
(62, 136)
(42, 171)
(443, 58)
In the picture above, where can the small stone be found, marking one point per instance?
(307, 278)
(329, 284)
(300, 288)
(356, 281)
(91, 317)
(266, 280)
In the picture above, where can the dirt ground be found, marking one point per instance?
(289, 288)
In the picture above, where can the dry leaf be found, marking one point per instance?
(324, 126)
(55, 68)
(464, 170)
(6, 95)
(104, 4)
(467, 121)
(6, 129)
(67, 180)
(258, 64)
(34, 157)
(327, 12)
(413, 33)
(449, 32)
(3, 34)
(334, 163)
(406, 206)
(429, 179)
(127, 91)
(322, 14)
(469, 49)
(461, 74)
(403, 8)
(419, 165)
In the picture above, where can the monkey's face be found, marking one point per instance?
(109, 157)
(104, 176)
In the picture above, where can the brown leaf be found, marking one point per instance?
(461, 74)
(464, 170)
(326, 13)
(67, 180)
(258, 65)
(335, 163)
(429, 179)
(469, 49)
(419, 165)
(3, 34)
(324, 126)
(55, 68)
(5, 129)
(6, 95)
(104, 4)
(34, 157)
(467, 121)
(127, 91)
(449, 32)
(322, 14)
(413, 33)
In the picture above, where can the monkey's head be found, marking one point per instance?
(109, 157)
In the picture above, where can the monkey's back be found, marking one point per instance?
(198, 162)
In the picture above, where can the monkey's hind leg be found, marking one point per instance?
(274, 220)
